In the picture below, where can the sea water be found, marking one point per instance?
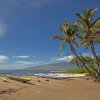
(24, 72)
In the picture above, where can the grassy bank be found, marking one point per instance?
(77, 70)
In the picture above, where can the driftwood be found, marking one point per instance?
(23, 80)
(4, 79)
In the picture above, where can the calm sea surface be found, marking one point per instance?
(23, 72)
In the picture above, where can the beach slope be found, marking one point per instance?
(50, 89)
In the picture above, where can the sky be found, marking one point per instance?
(26, 27)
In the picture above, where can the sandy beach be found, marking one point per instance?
(50, 89)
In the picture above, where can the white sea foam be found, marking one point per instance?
(59, 75)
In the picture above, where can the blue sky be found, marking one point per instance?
(27, 25)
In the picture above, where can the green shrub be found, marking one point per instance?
(77, 70)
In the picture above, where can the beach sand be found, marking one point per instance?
(50, 89)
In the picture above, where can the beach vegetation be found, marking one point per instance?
(82, 70)
(75, 60)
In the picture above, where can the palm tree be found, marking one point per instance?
(69, 36)
(89, 32)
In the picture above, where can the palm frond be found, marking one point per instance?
(96, 23)
(79, 16)
(58, 36)
(65, 26)
(92, 11)
(62, 28)
(97, 37)
(62, 47)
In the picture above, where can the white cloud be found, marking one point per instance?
(68, 58)
(3, 58)
(26, 63)
(20, 65)
(2, 28)
(87, 54)
(22, 57)
(63, 59)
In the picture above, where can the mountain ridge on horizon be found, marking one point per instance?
(55, 66)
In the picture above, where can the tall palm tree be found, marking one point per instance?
(69, 36)
(89, 31)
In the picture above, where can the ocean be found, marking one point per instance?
(24, 72)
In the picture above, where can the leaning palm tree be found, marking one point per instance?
(69, 36)
(89, 32)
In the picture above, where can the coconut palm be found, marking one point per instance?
(89, 31)
(69, 36)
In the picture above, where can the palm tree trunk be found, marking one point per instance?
(77, 64)
(95, 56)
(90, 65)
(74, 52)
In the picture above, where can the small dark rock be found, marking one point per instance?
(47, 80)
(39, 80)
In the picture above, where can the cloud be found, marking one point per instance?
(20, 65)
(26, 62)
(87, 54)
(38, 3)
(22, 57)
(68, 58)
(30, 3)
(63, 59)
(9, 7)
(3, 28)
(3, 58)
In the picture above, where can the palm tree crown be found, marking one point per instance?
(68, 34)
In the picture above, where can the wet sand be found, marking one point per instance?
(50, 89)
